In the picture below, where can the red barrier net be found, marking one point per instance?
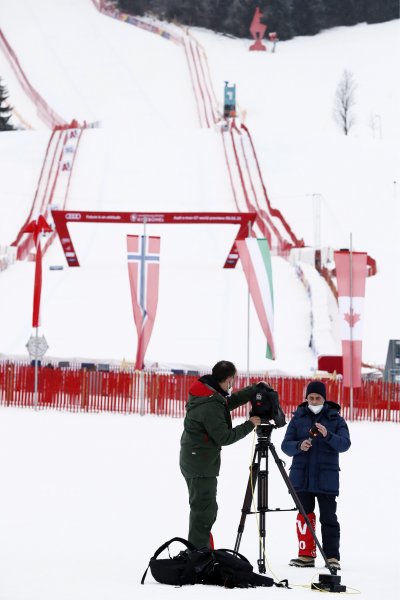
(160, 393)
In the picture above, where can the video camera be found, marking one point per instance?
(265, 404)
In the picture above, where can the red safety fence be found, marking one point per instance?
(159, 393)
(44, 111)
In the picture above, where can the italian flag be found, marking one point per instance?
(256, 262)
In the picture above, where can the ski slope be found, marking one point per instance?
(149, 154)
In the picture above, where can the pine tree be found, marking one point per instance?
(133, 7)
(239, 15)
(5, 110)
(308, 16)
(278, 17)
(343, 12)
(378, 11)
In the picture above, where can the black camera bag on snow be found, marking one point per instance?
(231, 569)
(174, 570)
(210, 567)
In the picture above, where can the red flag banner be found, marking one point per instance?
(38, 285)
(351, 272)
(143, 268)
(36, 228)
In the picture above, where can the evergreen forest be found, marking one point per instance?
(288, 18)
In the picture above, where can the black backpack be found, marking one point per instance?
(210, 567)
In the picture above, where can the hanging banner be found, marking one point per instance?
(256, 262)
(351, 272)
(36, 228)
(143, 268)
(38, 285)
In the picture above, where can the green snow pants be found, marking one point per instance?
(203, 509)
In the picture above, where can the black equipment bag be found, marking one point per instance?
(231, 569)
(172, 571)
(210, 567)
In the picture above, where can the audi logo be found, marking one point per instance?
(73, 216)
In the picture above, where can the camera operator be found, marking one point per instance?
(207, 427)
(314, 437)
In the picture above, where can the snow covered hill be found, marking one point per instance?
(150, 155)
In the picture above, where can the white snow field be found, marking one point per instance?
(86, 499)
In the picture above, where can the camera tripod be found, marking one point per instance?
(259, 477)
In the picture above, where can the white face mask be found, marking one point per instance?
(229, 390)
(316, 409)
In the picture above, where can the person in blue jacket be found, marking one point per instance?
(314, 472)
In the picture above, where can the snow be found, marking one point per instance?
(88, 498)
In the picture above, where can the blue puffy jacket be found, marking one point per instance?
(316, 470)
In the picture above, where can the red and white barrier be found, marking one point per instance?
(150, 392)
(44, 111)
(53, 184)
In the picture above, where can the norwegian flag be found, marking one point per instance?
(351, 272)
(143, 268)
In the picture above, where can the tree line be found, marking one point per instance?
(288, 18)
(5, 109)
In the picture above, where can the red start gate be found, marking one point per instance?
(63, 217)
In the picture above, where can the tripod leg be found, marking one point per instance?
(299, 505)
(254, 469)
(262, 507)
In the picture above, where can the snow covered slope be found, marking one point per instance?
(150, 155)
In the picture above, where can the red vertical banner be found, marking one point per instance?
(37, 291)
(144, 270)
(36, 228)
(351, 272)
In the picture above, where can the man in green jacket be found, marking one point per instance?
(207, 427)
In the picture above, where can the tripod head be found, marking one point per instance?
(264, 431)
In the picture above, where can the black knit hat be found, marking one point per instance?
(316, 387)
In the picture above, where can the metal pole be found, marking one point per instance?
(317, 220)
(141, 392)
(144, 226)
(141, 370)
(351, 329)
(248, 321)
(35, 397)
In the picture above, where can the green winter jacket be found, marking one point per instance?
(208, 426)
